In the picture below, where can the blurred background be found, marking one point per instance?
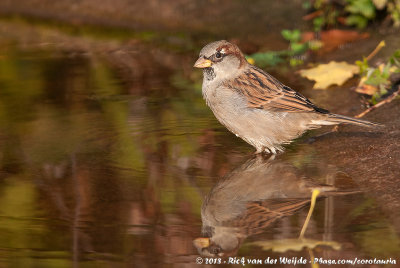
(107, 149)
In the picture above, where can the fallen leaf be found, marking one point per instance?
(333, 73)
(333, 39)
(367, 89)
(284, 245)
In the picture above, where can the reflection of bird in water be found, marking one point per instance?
(249, 199)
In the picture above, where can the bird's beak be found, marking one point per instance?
(202, 63)
(201, 242)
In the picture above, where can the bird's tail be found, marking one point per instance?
(341, 119)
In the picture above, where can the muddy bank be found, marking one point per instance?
(370, 157)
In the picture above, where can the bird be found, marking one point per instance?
(250, 198)
(254, 105)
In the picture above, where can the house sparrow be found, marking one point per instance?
(254, 105)
(249, 199)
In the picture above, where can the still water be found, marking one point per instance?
(98, 172)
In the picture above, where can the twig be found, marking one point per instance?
(312, 15)
(379, 104)
(376, 50)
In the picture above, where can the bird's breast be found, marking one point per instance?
(223, 100)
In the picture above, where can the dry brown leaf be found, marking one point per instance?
(333, 39)
(365, 88)
(333, 73)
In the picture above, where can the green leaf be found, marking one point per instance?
(395, 58)
(318, 23)
(306, 5)
(266, 59)
(363, 65)
(287, 34)
(386, 70)
(376, 78)
(292, 36)
(294, 62)
(357, 20)
(362, 7)
(298, 48)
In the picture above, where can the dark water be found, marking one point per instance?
(97, 174)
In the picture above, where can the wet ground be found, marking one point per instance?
(110, 158)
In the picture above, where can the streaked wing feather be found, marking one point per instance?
(263, 91)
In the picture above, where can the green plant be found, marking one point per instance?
(296, 49)
(379, 77)
(358, 13)
(393, 8)
(325, 13)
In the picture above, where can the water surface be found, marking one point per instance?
(97, 172)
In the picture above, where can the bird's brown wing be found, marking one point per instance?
(263, 91)
(261, 214)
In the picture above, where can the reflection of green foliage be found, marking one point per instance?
(173, 195)
(381, 241)
(366, 205)
(53, 108)
(126, 151)
(378, 238)
(153, 128)
(20, 229)
(82, 30)
(93, 32)
(15, 95)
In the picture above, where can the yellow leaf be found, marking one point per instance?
(284, 245)
(333, 73)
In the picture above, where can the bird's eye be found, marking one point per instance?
(218, 55)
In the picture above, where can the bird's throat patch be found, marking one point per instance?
(209, 73)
